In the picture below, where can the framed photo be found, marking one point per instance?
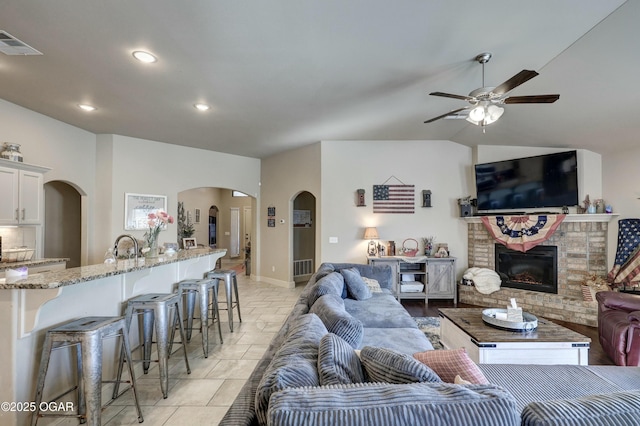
(137, 208)
(189, 243)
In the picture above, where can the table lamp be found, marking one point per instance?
(371, 234)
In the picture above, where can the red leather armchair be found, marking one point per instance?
(619, 326)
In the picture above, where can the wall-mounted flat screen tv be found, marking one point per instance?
(533, 182)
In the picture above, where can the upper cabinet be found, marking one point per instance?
(22, 193)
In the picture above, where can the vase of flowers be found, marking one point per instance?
(157, 221)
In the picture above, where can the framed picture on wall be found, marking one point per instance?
(189, 243)
(197, 216)
(137, 208)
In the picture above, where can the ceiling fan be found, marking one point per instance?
(484, 103)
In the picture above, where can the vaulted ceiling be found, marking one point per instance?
(286, 73)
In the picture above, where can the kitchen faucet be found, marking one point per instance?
(135, 245)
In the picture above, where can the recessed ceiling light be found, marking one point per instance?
(87, 107)
(202, 107)
(145, 57)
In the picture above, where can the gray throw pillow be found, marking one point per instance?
(356, 286)
(295, 364)
(331, 283)
(338, 362)
(389, 366)
(330, 309)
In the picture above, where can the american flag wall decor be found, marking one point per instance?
(394, 198)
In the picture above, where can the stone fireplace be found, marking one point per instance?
(581, 244)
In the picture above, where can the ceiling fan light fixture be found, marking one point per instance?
(477, 114)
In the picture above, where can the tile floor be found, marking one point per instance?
(203, 397)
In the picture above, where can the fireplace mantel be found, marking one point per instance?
(568, 218)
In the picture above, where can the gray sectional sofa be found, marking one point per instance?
(344, 357)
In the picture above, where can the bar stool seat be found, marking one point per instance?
(86, 335)
(203, 287)
(156, 309)
(230, 283)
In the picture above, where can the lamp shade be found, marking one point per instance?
(370, 234)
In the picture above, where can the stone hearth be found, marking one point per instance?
(582, 251)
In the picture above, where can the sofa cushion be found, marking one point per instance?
(450, 363)
(416, 404)
(356, 287)
(405, 340)
(294, 364)
(622, 408)
(338, 362)
(330, 309)
(389, 366)
(380, 311)
(332, 283)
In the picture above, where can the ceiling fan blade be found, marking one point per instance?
(449, 95)
(534, 99)
(444, 115)
(515, 81)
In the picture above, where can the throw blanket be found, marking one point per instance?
(485, 280)
(522, 233)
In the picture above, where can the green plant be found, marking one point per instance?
(185, 227)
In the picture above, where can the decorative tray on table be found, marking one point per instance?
(529, 323)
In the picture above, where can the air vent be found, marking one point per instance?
(9, 45)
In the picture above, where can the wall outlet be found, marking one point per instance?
(273, 269)
(333, 240)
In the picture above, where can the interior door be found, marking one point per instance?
(234, 243)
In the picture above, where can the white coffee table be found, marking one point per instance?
(549, 344)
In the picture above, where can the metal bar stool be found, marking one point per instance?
(86, 335)
(189, 288)
(156, 308)
(230, 280)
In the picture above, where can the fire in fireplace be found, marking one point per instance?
(533, 270)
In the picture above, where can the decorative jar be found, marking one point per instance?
(11, 151)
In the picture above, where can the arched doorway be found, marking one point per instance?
(63, 223)
(304, 236)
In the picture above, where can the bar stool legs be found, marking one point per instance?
(86, 335)
(155, 309)
(203, 288)
(231, 286)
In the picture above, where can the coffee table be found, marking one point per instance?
(549, 344)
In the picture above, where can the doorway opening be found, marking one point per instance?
(63, 223)
(304, 236)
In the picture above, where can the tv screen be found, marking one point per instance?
(532, 182)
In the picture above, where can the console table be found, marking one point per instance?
(437, 274)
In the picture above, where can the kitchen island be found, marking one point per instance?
(31, 305)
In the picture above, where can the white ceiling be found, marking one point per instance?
(285, 73)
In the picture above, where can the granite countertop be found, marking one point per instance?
(38, 262)
(55, 279)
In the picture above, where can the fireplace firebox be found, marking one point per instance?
(533, 270)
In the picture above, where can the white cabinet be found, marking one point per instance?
(22, 193)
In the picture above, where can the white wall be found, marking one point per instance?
(104, 167)
(443, 167)
(621, 190)
(149, 167)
